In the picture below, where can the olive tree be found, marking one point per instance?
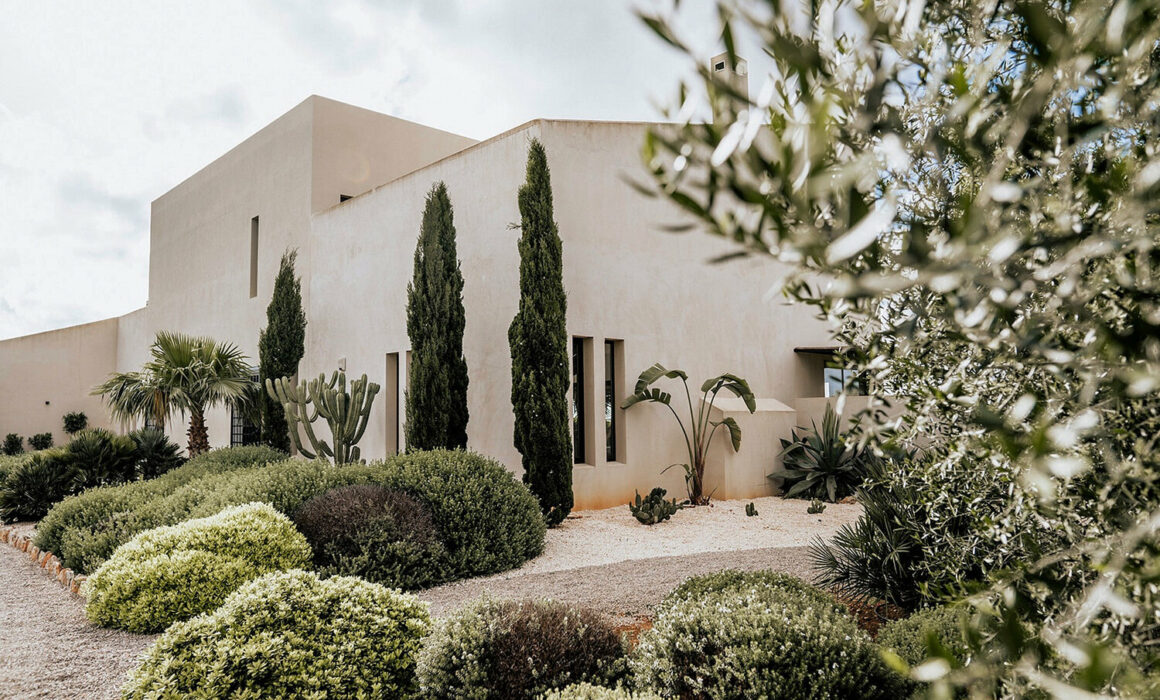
(969, 191)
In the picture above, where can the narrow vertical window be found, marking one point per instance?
(578, 436)
(253, 257)
(392, 399)
(613, 396)
(244, 431)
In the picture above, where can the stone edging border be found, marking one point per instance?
(44, 559)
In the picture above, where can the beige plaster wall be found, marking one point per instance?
(46, 375)
(626, 280)
(200, 238)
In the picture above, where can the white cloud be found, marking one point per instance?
(105, 106)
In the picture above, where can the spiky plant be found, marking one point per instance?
(821, 463)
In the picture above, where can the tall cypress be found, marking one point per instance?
(539, 345)
(436, 402)
(281, 345)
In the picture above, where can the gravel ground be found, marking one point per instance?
(600, 558)
(48, 648)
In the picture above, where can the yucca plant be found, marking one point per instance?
(699, 434)
(820, 463)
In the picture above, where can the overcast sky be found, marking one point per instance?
(105, 106)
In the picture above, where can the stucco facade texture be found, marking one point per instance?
(655, 295)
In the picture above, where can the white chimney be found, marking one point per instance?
(737, 76)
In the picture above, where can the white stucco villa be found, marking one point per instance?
(346, 186)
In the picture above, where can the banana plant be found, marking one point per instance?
(699, 434)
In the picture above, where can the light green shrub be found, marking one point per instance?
(508, 650)
(586, 691)
(908, 637)
(736, 580)
(172, 573)
(83, 530)
(760, 641)
(291, 635)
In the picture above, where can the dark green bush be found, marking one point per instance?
(32, 487)
(40, 441)
(74, 422)
(493, 649)
(156, 454)
(759, 636)
(13, 444)
(92, 458)
(290, 635)
(84, 530)
(488, 521)
(172, 573)
(376, 533)
(102, 457)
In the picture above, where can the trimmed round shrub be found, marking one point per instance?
(33, 486)
(376, 533)
(760, 640)
(291, 635)
(172, 573)
(507, 649)
(587, 691)
(84, 530)
(156, 454)
(102, 457)
(488, 521)
(908, 637)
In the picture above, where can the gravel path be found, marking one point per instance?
(48, 648)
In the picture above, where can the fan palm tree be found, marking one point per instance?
(187, 374)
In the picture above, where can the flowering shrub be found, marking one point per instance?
(291, 635)
(494, 649)
(697, 587)
(750, 636)
(587, 691)
(172, 573)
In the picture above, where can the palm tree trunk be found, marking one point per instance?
(198, 434)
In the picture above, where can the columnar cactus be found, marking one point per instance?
(345, 412)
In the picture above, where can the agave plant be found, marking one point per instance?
(700, 433)
(819, 463)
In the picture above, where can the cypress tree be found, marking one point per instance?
(281, 345)
(539, 345)
(436, 401)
